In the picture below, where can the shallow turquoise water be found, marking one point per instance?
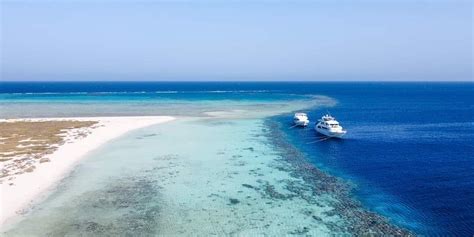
(192, 177)
(142, 104)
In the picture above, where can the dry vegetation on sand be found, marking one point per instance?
(23, 143)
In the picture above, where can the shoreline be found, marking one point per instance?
(29, 187)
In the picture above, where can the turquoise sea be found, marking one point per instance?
(232, 163)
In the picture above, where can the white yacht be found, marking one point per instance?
(329, 126)
(301, 119)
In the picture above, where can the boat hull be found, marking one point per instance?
(327, 133)
(301, 123)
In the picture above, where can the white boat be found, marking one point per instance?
(301, 119)
(329, 126)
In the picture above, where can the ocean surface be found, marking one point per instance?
(234, 164)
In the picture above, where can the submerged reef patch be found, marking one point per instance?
(123, 207)
(356, 220)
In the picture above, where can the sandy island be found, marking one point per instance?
(18, 192)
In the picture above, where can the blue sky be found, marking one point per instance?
(237, 40)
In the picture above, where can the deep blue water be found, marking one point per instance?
(142, 91)
(409, 148)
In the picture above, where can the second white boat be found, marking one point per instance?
(301, 119)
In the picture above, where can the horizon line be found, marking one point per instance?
(244, 81)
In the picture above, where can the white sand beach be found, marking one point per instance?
(18, 195)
